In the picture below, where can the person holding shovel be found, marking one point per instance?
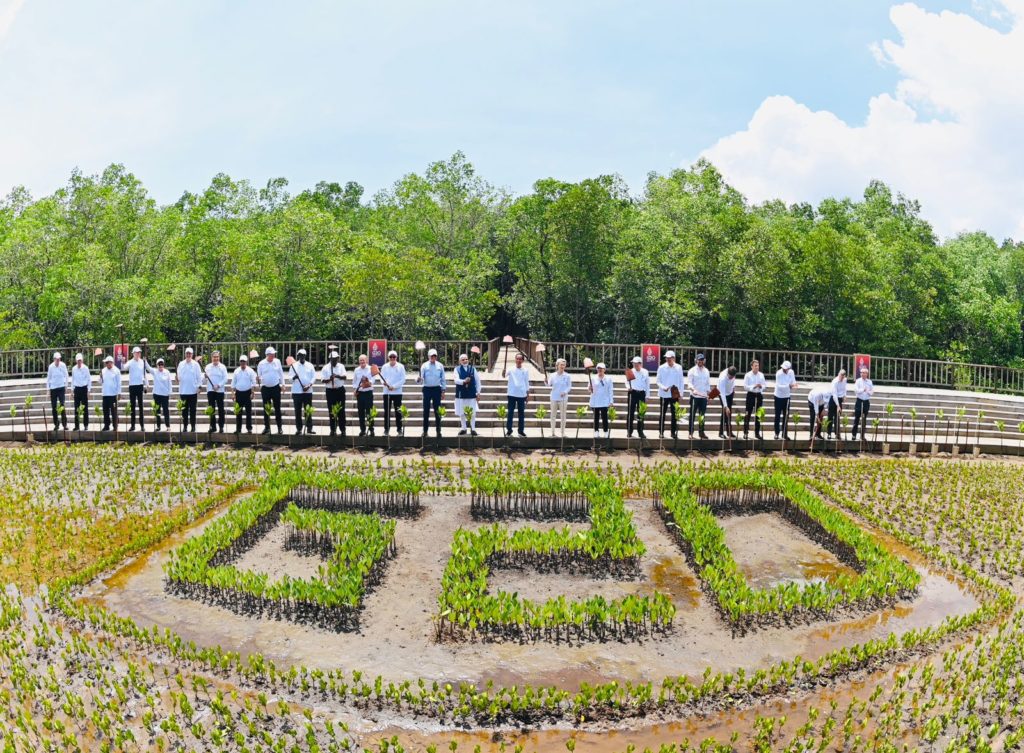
(333, 376)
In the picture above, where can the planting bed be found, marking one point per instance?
(196, 607)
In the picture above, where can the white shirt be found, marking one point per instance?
(162, 382)
(357, 378)
(865, 388)
(111, 381)
(137, 372)
(820, 396)
(80, 376)
(270, 373)
(641, 381)
(784, 381)
(338, 372)
(57, 376)
(604, 392)
(669, 377)
(217, 376)
(561, 385)
(699, 380)
(754, 382)
(518, 381)
(839, 386)
(243, 380)
(726, 385)
(302, 375)
(190, 376)
(394, 376)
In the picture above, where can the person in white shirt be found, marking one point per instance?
(785, 383)
(363, 378)
(333, 376)
(467, 390)
(393, 376)
(269, 376)
(835, 406)
(162, 393)
(217, 379)
(561, 385)
(817, 404)
(81, 379)
(602, 395)
(670, 374)
(303, 374)
(518, 393)
(190, 379)
(726, 392)
(754, 384)
(864, 388)
(57, 383)
(110, 387)
(698, 381)
(243, 380)
(639, 391)
(137, 371)
(432, 378)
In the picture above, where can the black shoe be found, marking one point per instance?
(249, 430)
(334, 432)
(211, 430)
(758, 436)
(311, 431)
(629, 434)
(132, 428)
(265, 431)
(522, 433)
(438, 433)
(105, 428)
(238, 431)
(425, 433)
(372, 433)
(703, 435)
(675, 435)
(462, 432)
(76, 428)
(720, 435)
(643, 436)
(508, 433)
(473, 432)
(362, 433)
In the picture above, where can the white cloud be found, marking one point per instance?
(949, 134)
(8, 12)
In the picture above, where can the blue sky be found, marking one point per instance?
(345, 91)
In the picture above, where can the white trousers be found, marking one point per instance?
(460, 408)
(559, 407)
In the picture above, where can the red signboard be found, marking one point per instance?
(652, 357)
(121, 354)
(378, 352)
(860, 361)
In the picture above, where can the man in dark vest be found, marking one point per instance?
(467, 389)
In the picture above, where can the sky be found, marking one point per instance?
(791, 100)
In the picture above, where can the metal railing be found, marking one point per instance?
(809, 366)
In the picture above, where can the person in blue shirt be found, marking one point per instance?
(432, 378)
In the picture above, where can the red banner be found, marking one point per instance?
(652, 357)
(860, 361)
(121, 354)
(378, 352)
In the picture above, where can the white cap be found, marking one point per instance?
(787, 365)
(56, 355)
(393, 353)
(302, 352)
(431, 352)
(670, 354)
(334, 354)
(244, 357)
(136, 349)
(269, 351)
(189, 350)
(108, 359)
(601, 366)
(159, 360)
(79, 357)
(637, 359)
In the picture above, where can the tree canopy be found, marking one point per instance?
(447, 255)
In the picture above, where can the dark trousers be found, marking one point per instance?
(300, 400)
(432, 400)
(109, 412)
(163, 405)
(601, 419)
(725, 420)
(336, 396)
(782, 416)
(754, 402)
(636, 399)
(188, 415)
(668, 405)
(216, 401)
(392, 403)
(135, 400)
(816, 419)
(861, 408)
(272, 396)
(698, 405)
(364, 402)
(82, 398)
(833, 414)
(57, 398)
(514, 404)
(243, 399)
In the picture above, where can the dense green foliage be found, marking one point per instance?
(446, 255)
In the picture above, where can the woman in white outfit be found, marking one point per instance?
(561, 385)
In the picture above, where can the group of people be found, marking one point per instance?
(825, 402)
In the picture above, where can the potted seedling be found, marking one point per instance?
(540, 413)
(581, 413)
(502, 411)
(977, 434)
(913, 428)
(889, 410)
(154, 408)
(760, 413)
(236, 408)
(335, 414)
(680, 413)
(940, 416)
(641, 411)
(14, 415)
(307, 415)
(403, 411)
(961, 411)
(181, 415)
(1000, 427)
(795, 420)
(468, 412)
(612, 415)
(28, 410)
(1020, 430)
(98, 411)
(371, 418)
(874, 429)
(210, 412)
(63, 421)
(738, 420)
(80, 420)
(844, 422)
(442, 412)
